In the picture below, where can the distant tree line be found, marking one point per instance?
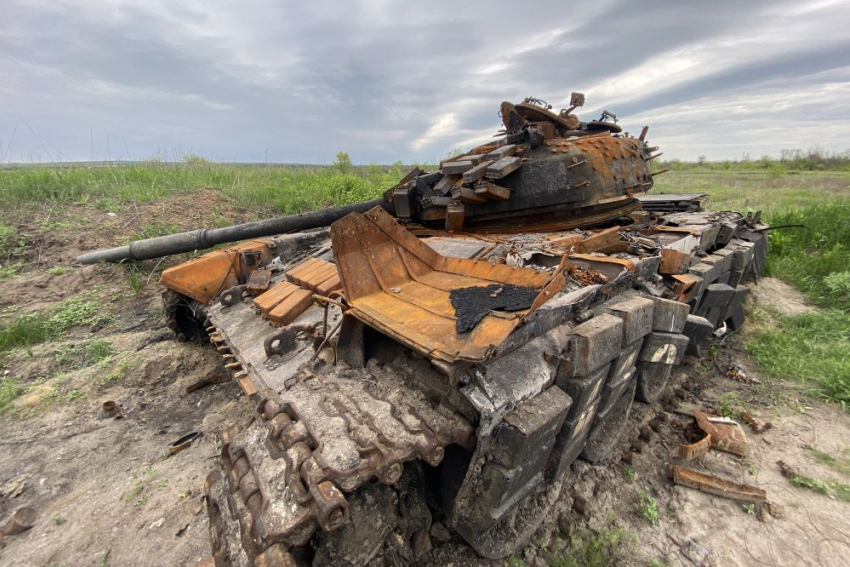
(813, 159)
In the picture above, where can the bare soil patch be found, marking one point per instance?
(778, 295)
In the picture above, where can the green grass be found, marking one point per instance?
(9, 391)
(816, 259)
(811, 347)
(33, 328)
(27, 330)
(831, 488)
(123, 363)
(811, 483)
(838, 464)
(285, 189)
(12, 247)
(88, 354)
(647, 507)
(12, 244)
(742, 190)
(135, 281)
(608, 547)
(11, 270)
(729, 404)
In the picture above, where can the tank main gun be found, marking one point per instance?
(207, 238)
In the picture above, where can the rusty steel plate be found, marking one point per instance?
(401, 286)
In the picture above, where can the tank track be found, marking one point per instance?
(334, 430)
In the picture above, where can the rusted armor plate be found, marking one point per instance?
(402, 287)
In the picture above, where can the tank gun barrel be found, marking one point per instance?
(207, 238)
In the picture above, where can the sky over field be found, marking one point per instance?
(278, 81)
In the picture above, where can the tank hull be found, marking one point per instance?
(372, 390)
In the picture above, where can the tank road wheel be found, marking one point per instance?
(185, 316)
(606, 432)
(514, 530)
(652, 381)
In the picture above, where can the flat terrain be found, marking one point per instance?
(108, 493)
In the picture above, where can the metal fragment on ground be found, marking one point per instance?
(757, 427)
(694, 450)
(726, 434)
(717, 486)
(787, 470)
(22, 520)
(184, 442)
(769, 509)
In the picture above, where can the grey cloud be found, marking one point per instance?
(794, 68)
(300, 81)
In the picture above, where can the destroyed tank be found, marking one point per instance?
(446, 352)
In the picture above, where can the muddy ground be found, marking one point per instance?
(108, 492)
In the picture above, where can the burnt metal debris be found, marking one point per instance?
(381, 408)
(473, 303)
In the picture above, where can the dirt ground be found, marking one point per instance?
(107, 491)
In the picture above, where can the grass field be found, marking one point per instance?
(769, 192)
(269, 188)
(816, 259)
(813, 347)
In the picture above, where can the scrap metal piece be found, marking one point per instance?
(726, 434)
(711, 484)
(22, 520)
(757, 427)
(108, 409)
(694, 450)
(184, 442)
(787, 470)
(673, 202)
(216, 379)
(771, 509)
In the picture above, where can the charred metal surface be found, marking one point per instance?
(401, 287)
(473, 303)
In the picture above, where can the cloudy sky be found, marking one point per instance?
(278, 81)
